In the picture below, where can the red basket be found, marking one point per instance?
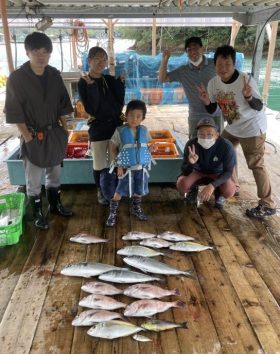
(76, 151)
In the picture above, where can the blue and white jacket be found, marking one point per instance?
(135, 149)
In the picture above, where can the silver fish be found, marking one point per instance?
(137, 235)
(148, 308)
(87, 269)
(153, 266)
(189, 247)
(159, 325)
(174, 236)
(148, 291)
(89, 317)
(141, 338)
(101, 302)
(99, 288)
(86, 239)
(155, 243)
(139, 251)
(113, 329)
(126, 276)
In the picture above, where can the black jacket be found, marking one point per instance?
(219, 159)
(103, 100)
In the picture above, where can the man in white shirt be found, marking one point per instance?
(236, 95)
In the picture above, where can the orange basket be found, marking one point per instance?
(80, 137)
(162, 135)
(165, 150)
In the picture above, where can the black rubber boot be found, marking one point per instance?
(100, 197)
(137, 210)
(39, 220)
(111, 221)
(55, 205)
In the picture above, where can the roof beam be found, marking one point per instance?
(263, 15)
(93, 11)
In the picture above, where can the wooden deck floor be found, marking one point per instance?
(233, 307)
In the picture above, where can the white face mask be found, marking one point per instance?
(206, 143)
(198, 62)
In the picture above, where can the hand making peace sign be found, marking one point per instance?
(166, 54)
(203, 94)
(88, 79)
(247, 90)
(193, 157)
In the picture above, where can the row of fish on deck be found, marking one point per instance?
(109, 324)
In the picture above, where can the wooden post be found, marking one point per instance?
(154, 36)
(7, 36)
(111, 55)
(234, 31)
(270, 55)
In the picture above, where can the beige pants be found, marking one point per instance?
(253, 150)
(101, 154)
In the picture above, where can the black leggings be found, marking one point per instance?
(96, 175)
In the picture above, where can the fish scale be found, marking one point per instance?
(148, 291)
(113, 329)
(153, 266)
(87, 269)
(101, 302)
(126, 276)
(139, 250)
(148, 308)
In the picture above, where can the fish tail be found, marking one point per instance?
(168, 254)
(160, 280)
(176, 292)
(188, 273)
(179, 304)
(122, 317)
(184, 325)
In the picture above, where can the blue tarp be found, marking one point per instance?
(141, 72)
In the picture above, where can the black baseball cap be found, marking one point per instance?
(206, 122)
(196, 40)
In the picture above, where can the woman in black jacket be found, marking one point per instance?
(103, 99)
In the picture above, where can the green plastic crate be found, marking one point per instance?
(10, 234)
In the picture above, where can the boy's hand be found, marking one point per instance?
(203, 94)
(193, 157)
(166, 55)
(247, 90)
(120, 171)
(88, 79)
(206, 193)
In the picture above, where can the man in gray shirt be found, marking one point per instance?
(38, 103)
(198, 69)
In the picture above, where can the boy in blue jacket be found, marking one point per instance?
(129, 147)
